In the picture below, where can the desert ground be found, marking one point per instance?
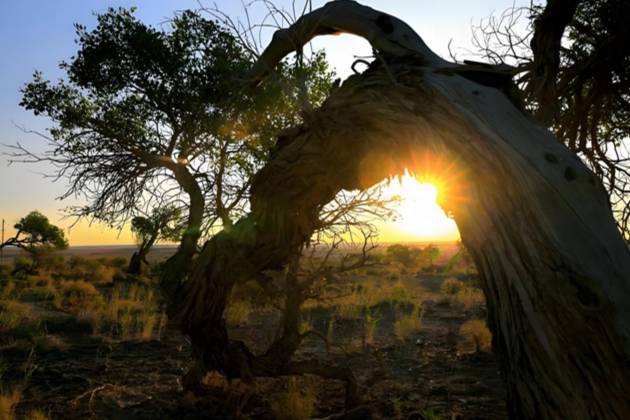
(79, 339)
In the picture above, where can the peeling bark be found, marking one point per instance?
(554, 268)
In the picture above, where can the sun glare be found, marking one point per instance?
(419, 214)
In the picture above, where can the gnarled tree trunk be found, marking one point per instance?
(554, 269)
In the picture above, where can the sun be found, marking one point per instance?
(419, 215)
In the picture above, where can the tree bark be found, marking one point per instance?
(554, 268)
(179, 265)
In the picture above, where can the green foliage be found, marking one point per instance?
(40, 232)
(163, 223)
(141, 107)
(401, 254)
(408, 256)
(36, 235)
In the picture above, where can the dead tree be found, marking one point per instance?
(553, 266)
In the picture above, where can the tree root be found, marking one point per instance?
(242, 364)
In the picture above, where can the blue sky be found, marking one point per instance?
(38, 34)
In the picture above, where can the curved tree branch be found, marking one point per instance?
(387, 34)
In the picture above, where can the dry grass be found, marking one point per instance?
(7, 290)
(475, 334)
(14, 314)
(370, 325)
(294, 403)
(470, 298)
(407, 325)
(128, 313)
(451, 286)
(374, 294)
(9, 400)
(36, 415)
(75, 295)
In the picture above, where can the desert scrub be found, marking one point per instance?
(5, 270)
(373, 295)
(92, 270)
(8, 289)
(294, 403)
(14, 314)
(75, 296)
(475, 333)
(408, 324)
(130, 312)
(36, 414)
(470, 298)
(451, 286)
(370, 324)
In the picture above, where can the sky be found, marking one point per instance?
(38, 34)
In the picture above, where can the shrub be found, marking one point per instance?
(294, 404)
(476, 332)
(406, 325)
(470, 297)
(75, 295)
(102, 274)
(21, 267)
(5, 270)
(130, 312)
(119, 262)
(44, 288)
(451, 286)
(13, 314)
(53, 263)
(92, 270)
(7, 290)
(401, 254)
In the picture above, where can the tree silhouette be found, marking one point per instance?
(162, 224)
(36, 235)
(552, 264)
(572, 65)
(149, 116)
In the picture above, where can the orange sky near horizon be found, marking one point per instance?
(420, 219)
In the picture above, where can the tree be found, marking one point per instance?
(430, 253)
(535, 218)
(36, 235)
(401, 254)
(162, 224)
(148, 116)
(572, 65)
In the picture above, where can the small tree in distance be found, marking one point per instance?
(36, 235)
(163, 224)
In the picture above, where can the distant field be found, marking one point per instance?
(159, 252)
